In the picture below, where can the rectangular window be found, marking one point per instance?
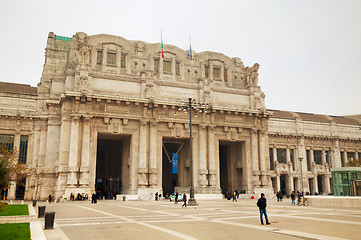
(350, 156)
(156, 64)
(342, 160)
(225, 75)
(328, 158)
(177, 68)
(167, 66)
(23, 148)
(317, 156)
(292, 156)
(281, 155)
(359, 155)
(7, 140)
(206, 71)
(99, 57)
(308, 160)
(111, 58)
(122, 60)
(216, 73)
(271, 160)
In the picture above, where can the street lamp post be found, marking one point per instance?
(301, 158)
(202, 108)
(192, 201)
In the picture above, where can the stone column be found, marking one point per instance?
(62, 162)
(211, 158)
(142, 165)
(42, 144)
(315, 184)
(323, 157)
(326, 184)
(202, 156)
(345, 157)
(278, 182)
(312, 160)
(85, 154)
(36, 139)
(153, 170)
(262, 157)
(134, 159)
(255, 166)
(73, 153)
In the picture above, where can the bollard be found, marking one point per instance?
(34, 203)
(41, 211)
(124, 198)
(49, 220)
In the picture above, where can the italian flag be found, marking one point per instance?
(161, 38)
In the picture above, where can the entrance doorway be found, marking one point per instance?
(111, 168)
(175, 164)
(231, 164)
(320, 184)
(20, 189)
(283, 179)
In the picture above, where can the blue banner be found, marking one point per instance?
(175, 163)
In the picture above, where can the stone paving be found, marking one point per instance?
(212, 219)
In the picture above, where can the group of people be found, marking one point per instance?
(79, 197)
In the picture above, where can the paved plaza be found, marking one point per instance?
(212, 219)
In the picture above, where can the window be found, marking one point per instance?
(111, 58)
(281, 155)
(317, 156)
(342, 159)
(292, 156)
(177, 68)
(167, 66)
(122, 60)
(308, 160)
(7, 140)
(156, 64)
(216, 73)
(99, 57)
(271, 160)
(350, 155)
(328, 158)
(225, 75)
(359, 155)
(206, 71)
(23, 148)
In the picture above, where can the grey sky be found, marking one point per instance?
(309, 51)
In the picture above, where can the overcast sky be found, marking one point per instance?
(309, 51)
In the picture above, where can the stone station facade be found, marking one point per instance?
(109, 112)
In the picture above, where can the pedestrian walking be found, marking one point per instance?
(293, 198)
(156, 196)
(184, 200)
(49, 198)
(176, 198)
(262, 204)
(234, 197)
(94, 198)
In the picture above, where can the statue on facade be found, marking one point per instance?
(83, 49)
(252, 75)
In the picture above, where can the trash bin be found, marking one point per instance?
(41, 211)
(124, 198)
(34, 203)
(49, 220)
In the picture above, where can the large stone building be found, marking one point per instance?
(111, 114)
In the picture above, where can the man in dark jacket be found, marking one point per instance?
(262, 204)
